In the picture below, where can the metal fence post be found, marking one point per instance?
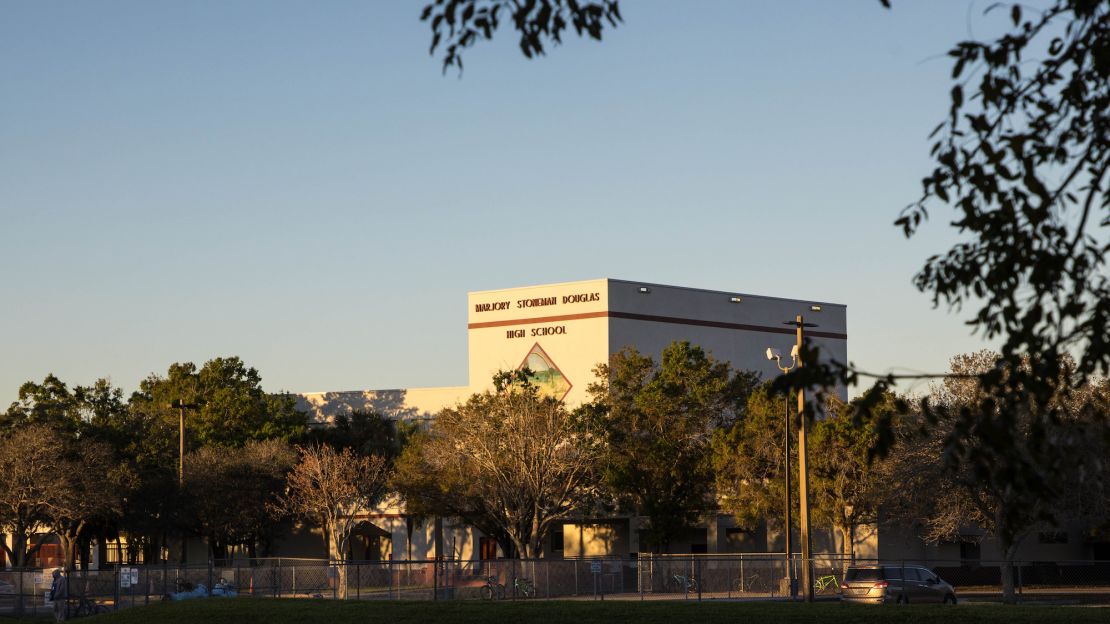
(702, 580)
(115, 578)
(358, 581)
(209, 576)
(575, 577)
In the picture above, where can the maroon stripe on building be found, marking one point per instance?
(631, 316)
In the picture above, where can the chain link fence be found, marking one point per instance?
(755, 576)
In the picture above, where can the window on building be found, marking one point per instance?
(970, 550)
(487, 548)
(557, 539)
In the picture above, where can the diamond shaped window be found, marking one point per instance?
(545, 375)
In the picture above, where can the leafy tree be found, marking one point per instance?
(848, 487)
(365, 433)
(458, 24)
(748, 461)
(233, 408)
(331, 487)
(511, 462)
(658, 423)
(233, 498)
(49, 403)
(946, 488)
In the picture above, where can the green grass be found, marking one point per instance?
(294, 611)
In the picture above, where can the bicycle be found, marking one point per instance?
(684, 583)
(747, 583)
(492, 589)
(523, 587)
(826, 582)
(86, 606)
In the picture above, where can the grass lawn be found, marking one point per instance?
(294, 611)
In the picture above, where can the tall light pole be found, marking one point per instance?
(773, 354)
(181, 406)
(803, 474)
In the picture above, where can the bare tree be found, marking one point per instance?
(233, 498)
(945, 491)
(517, 462)
(331, 487)
(93, 488)
(32, 475)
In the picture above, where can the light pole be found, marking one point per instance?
(181, 406)
(803, 474)
(773, 354)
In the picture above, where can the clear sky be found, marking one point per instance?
(297, 183)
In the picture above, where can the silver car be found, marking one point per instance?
(901, 584)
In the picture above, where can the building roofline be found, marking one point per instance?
(657, 285)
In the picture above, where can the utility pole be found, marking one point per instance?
(792, 587)
(181, 406)
(803, 475)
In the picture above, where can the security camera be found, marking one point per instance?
(773, 353)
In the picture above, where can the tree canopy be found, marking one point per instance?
(657, 422)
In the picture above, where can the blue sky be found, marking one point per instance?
(297, 183)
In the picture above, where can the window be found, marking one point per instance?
(487, 548)
(864, 574)
(557, 539)
(970, 550)
(894, 573)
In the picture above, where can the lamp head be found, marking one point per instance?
(794, 351)
(773, 354)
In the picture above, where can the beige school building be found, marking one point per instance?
(561, 332)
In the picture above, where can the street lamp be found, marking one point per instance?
(181, 406)
(803, 473)
(773, 354)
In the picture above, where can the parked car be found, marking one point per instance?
(878, 584)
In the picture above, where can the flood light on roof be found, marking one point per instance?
(735, 299)
(644, 290)
(815, 308)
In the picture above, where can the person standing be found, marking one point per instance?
(59, 592)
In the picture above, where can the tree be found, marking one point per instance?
(365, 433)
(31, 476)
(90, 493)
(511, 462)
(331, 487)
(749, 461)
(458, 24)
(658, 423)
(847, 484)
(846, 487)
(944, 492)
(233, 498)
(232, 406)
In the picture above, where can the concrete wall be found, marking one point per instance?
(739, 333)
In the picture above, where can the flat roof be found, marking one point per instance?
(641, 283)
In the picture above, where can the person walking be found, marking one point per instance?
(59, 592)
